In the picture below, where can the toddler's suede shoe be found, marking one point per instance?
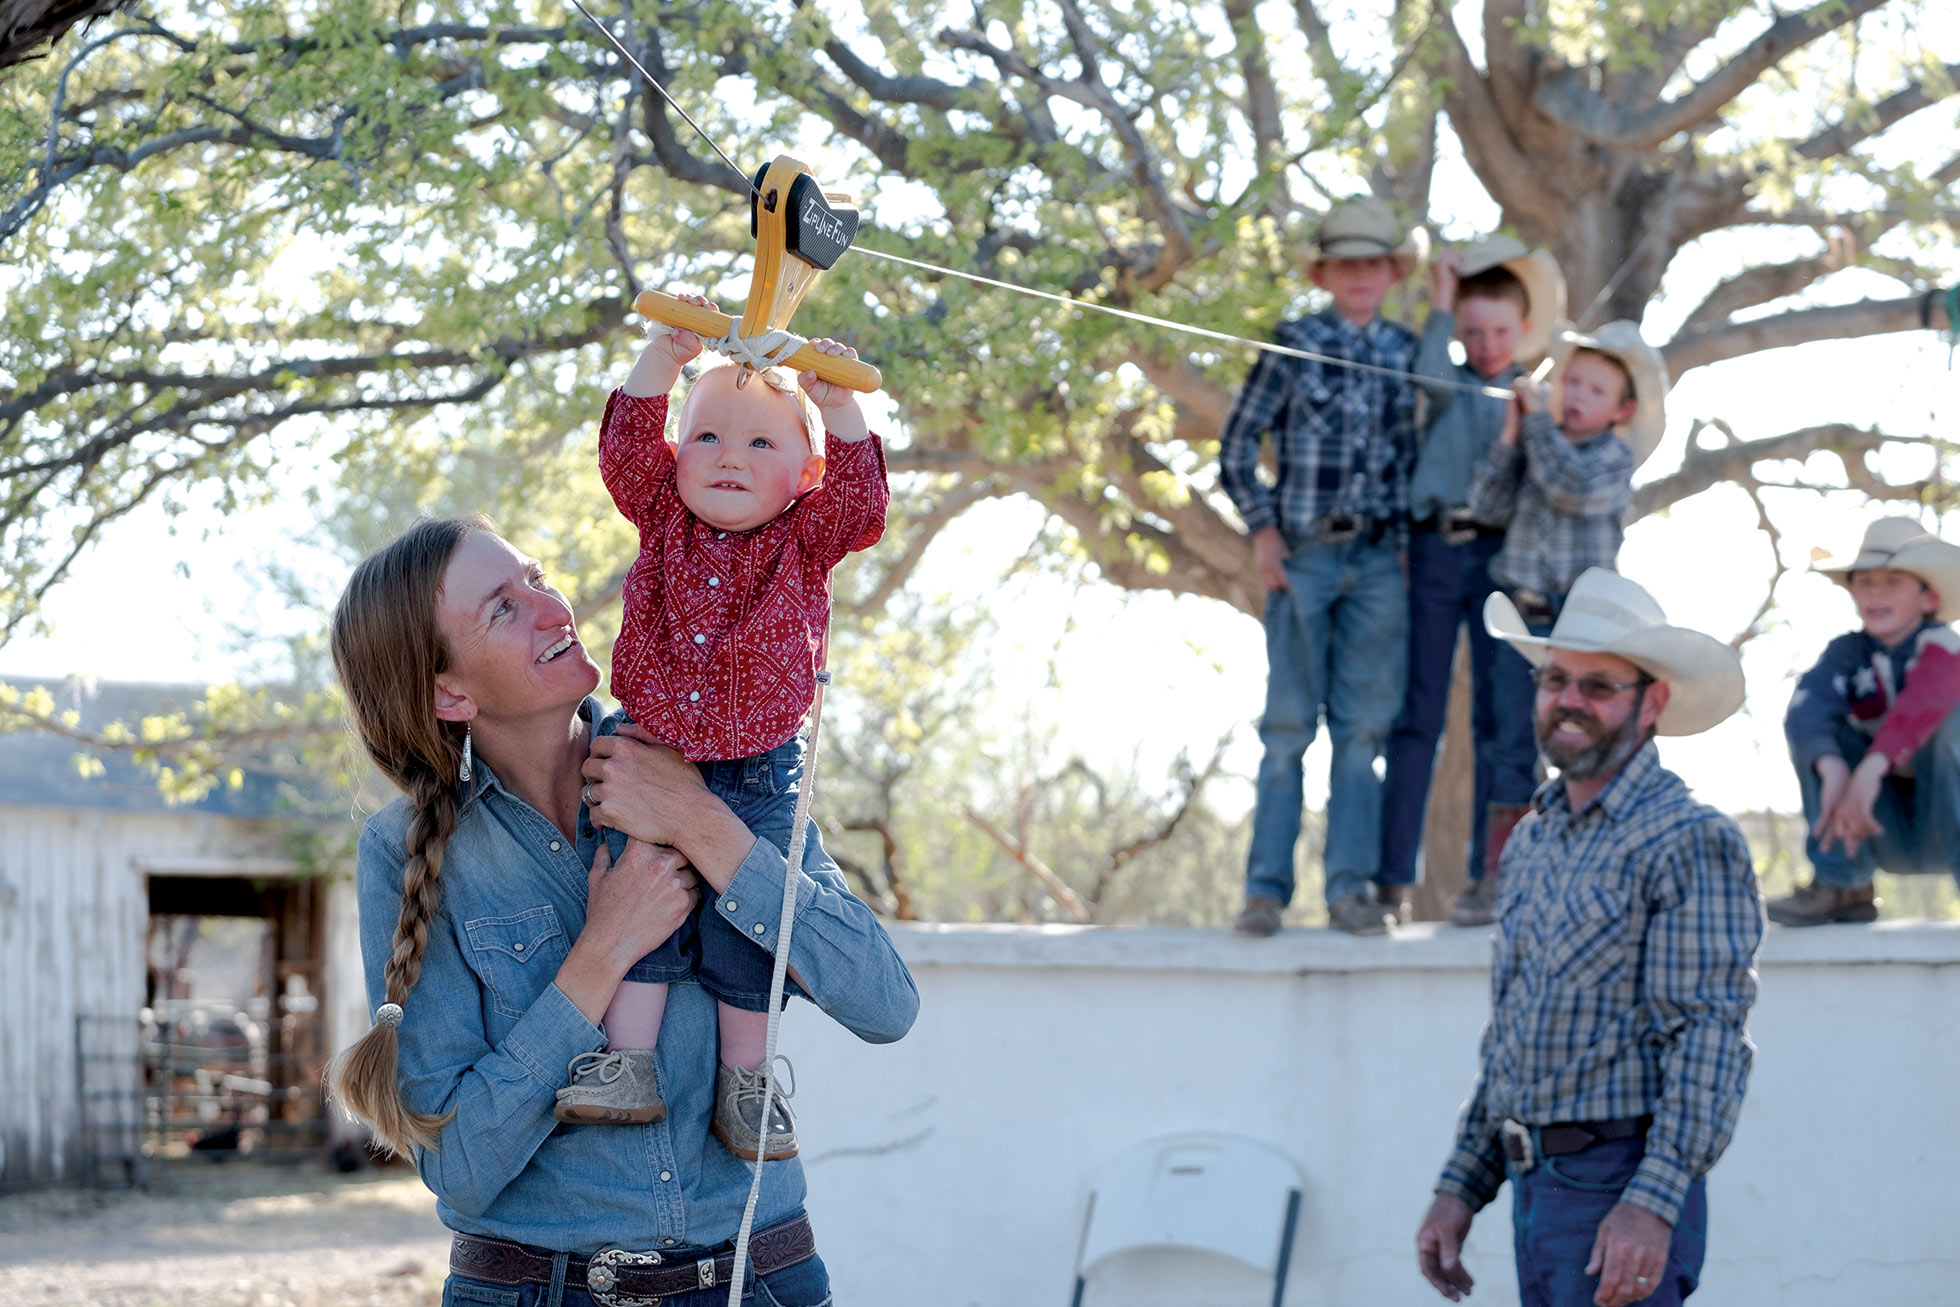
(614, 1088)
(739, 1115)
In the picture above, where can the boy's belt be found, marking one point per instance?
(619, 1276)
(1457, 526)
(1346, 528)
(1564, 1137)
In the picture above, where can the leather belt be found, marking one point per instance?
(621, 1277)
(1457, 526)
(1525, 1146)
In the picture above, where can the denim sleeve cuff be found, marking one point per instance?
(551, 1033)
(753, 901)
(1660, 1186)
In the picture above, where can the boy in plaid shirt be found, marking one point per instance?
(1326, 540)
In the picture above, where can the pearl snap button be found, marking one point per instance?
(731, 905)
(555, 846)
(700, 639)
(693, 696)
(518, 946)
(714, 580)
(667, 1175)
(759, 928)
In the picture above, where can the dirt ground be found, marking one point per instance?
(227, 1236)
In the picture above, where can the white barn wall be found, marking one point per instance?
(953, 1168)
(71, 943)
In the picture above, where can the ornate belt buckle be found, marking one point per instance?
(1455, 526)
(1517, 1145)
(1339, 528)
(602, 1277)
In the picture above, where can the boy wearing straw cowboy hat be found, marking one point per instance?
(1326, 541)
(1615, 1061)
(1874, 728)
(1499, 300)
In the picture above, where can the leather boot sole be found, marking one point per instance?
(1851, 914)
(779, 1153)
(592, 1114)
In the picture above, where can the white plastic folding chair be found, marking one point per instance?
(1221, 1194)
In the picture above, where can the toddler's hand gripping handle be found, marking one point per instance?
(659, 306)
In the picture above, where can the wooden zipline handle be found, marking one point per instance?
(659, 306)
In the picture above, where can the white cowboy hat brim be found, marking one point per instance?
(1928, 557)
(1704, 676)
(1622, 340)
(1544, 285)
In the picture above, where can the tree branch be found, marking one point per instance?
(1699, 348)
(1869, 122)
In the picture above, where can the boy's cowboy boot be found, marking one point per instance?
(1476, 905)
(1818, 904)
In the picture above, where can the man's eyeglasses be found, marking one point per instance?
(1555, 681)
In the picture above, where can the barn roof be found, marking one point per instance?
(37, 767)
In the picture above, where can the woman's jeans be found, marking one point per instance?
(1556, 1209)
(806, 1284)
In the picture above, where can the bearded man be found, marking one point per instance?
(1616, 1056)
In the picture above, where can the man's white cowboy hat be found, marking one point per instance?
(1623, 341)
(1544, 286)
(1365, 228)
(1903, 544)
(1606, 613)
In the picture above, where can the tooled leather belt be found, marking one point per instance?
(620, 1275)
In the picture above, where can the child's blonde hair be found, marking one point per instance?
(780, 380)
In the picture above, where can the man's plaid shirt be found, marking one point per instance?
(1345, 439)
(1622, 978)
(1563, 504)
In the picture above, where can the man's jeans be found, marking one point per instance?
(1336, 641)
(1555, 1214)
(1920, 814)
(1447, 588)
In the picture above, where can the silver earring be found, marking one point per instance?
(463, 772)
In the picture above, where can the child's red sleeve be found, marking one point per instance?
(1931, 692)
(635, 461)
(847, 512)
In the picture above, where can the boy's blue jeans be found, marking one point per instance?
(1556, 1209)
(1920, 815)
(736, 970)
(1447, 588)
(1336, 642)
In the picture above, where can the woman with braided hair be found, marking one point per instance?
(495, 930)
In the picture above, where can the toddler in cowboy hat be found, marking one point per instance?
(1499, 300)
(1563, 479)
(1325, 542)
(725, 613)
(1874, 727)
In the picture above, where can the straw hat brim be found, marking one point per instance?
(1643, 430)
(1704, 676)
(1543, 283)
(1929, 558)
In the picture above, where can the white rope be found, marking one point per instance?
(768, 350)
(778, 978)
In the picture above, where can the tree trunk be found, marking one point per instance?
(1446, 825)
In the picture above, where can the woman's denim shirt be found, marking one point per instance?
(487, 1035)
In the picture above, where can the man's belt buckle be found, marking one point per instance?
(602, 1277)
(1517, 1145)
(1339, 528)
(1456, 526)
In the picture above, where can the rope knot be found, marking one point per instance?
(768, 350)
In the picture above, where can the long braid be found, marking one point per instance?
(388, 650)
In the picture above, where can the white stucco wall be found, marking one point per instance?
(953, 1167)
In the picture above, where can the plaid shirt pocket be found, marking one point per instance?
(1595, 946)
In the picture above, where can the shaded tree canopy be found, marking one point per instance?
(411, 235)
